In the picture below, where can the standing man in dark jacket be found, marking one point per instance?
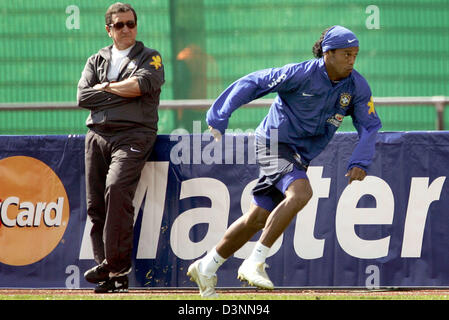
(120, 85)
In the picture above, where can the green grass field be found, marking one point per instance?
(242, 297)
(175, 297)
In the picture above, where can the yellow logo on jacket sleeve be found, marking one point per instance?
(157, 62)
(371, 106)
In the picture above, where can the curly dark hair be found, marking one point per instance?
(317, 49)
(118, 7)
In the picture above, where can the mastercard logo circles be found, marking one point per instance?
(34, 210)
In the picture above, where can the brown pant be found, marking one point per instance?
(113, 167)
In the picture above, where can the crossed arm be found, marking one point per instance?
(128, 88)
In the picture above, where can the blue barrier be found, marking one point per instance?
(391, 230)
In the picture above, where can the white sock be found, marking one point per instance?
(259, 253)
(211, 262)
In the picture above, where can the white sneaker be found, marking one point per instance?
(205, 283)
(254, 273)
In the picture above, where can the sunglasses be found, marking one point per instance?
(120, 25)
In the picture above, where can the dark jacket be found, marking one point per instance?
(110, 112)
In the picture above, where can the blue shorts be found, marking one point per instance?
(277, 170)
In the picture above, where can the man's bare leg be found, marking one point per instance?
(242, 230)
(297, 196)
(252, 269)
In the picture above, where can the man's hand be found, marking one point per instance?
(101, 86)
(356, 173)
(128, 88)
(215, 133)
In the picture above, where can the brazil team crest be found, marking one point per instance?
(345, 98)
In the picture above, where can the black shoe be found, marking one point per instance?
(97, 274)
(121, 273)
(116, 284)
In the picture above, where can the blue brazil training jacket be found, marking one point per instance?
(307, 110)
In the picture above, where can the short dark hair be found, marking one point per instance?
(118, 7)
(317, 48)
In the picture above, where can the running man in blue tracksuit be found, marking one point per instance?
(312, 99)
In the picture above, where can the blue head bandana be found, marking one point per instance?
(339, 37)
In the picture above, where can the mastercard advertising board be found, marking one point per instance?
(34, 210)
(390, 230)
(42, 205)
